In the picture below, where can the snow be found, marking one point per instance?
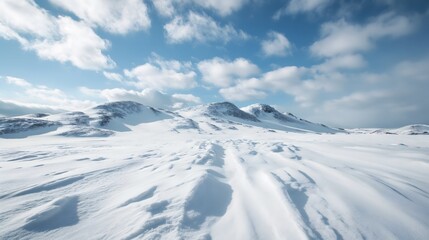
(197, 174)
(289, 122)
(415, 129)
(412, 129)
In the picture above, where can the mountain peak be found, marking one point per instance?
(257, 108)
(229, 109)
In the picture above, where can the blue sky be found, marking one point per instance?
(345, 63)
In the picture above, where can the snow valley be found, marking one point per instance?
(123, 170)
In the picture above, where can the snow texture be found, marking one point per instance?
(209, 172)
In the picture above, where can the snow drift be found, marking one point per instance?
(208, 172)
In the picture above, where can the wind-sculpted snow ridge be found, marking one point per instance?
(213, 182)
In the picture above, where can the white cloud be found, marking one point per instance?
(56, 98)
(417, 70)
(113, 76)
(26, 17)
(302, 6)
(223, 8)
(162, 74)
(165, 7)
(149, 97)
(115, 16)
(375, 108)
(77, 43)
(54, 38)
(40, 95)
(323, 92)
(276, 45)
(342, 37)
(201, 28)
(17, 81)
(11, 108)
(244, 90)
(187, 98)
(298, 82)
(304, 84)
(393, 98)
(351, 61)
(223, 73)
(297, 6)
(169, 8)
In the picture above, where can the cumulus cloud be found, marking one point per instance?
(17, 81)
(162, 74)
(115, 16)
(149, 97)
(14, 16)
(350, 61)
(300, 82)
(369, 99)
(417, 70)
(10, 108)
(77, 44)
(54, 38)
(201, 28)
(113, 76)
(166, 8)
(276, 44)
(302, 6)
(43, 96)
(304, 84)
(244, 90)
(189, 98)
(223, 73)
(376, 108)
(223, 8)
(380, 99)
(342, 37)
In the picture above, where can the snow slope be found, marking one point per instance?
(215, 176)
(415, 129)
(257, 115)
(102, 120)
(274, 119)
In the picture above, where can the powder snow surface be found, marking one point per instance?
(187, 179)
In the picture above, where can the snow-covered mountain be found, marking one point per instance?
(208, 172)
(218, 112)
(109, 118)
(414, 129)
(15, 126)
(257, 115)
(274, 119)
(102, 120)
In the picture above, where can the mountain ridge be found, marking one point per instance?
(121, 116)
